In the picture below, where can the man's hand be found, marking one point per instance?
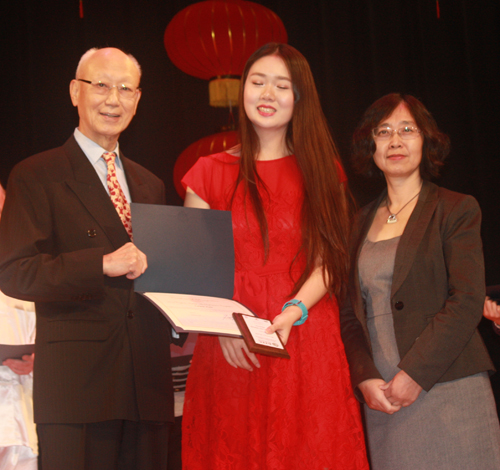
(20, 367)
(491, 311)
(127, 261)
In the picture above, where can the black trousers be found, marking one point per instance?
(175, 446)
(108, 445)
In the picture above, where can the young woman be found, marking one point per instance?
(286, 190)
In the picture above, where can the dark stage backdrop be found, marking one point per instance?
(358, 51)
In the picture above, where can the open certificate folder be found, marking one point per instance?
(199, 313)
(190, 275)
(213, 315)
(190, 251)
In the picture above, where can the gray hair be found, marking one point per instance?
(92, 51)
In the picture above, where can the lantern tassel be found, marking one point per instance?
(223, 91)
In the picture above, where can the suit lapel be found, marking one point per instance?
(139, 189)
(413, 234)
(87, 186)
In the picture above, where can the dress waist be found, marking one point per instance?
(269, 269)
(251, 287)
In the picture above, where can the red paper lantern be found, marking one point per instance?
(213, 40)
(206, 146)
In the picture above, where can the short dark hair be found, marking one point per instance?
(436, 145)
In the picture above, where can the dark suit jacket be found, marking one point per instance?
(102, 352)
(437, 292)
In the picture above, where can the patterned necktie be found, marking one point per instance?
(116, 193)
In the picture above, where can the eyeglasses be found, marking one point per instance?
(385, 132)
(102, 88)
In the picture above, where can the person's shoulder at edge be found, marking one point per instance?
(41, 161)
(454, 197)
(223, 157)
(454, 207)
(48, 166)
(210, 161)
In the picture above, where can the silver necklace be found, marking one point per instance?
(393, 218)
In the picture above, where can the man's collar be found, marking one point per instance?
(92, 150)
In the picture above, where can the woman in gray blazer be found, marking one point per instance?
(416, 295)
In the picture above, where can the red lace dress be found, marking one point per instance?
(289, 414)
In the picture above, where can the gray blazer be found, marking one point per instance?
(437, 293)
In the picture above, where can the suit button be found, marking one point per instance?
(91, 232)
(130, 314)
(399, 305)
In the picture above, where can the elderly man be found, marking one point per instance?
(103, 390)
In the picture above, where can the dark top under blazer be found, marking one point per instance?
(437, 293)
(102, 352)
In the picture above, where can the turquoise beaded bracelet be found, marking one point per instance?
(299, 304)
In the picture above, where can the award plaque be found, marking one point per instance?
(253, 330)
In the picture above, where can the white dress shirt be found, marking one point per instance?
(94, 153)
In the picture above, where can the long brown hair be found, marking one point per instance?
(326, 209)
